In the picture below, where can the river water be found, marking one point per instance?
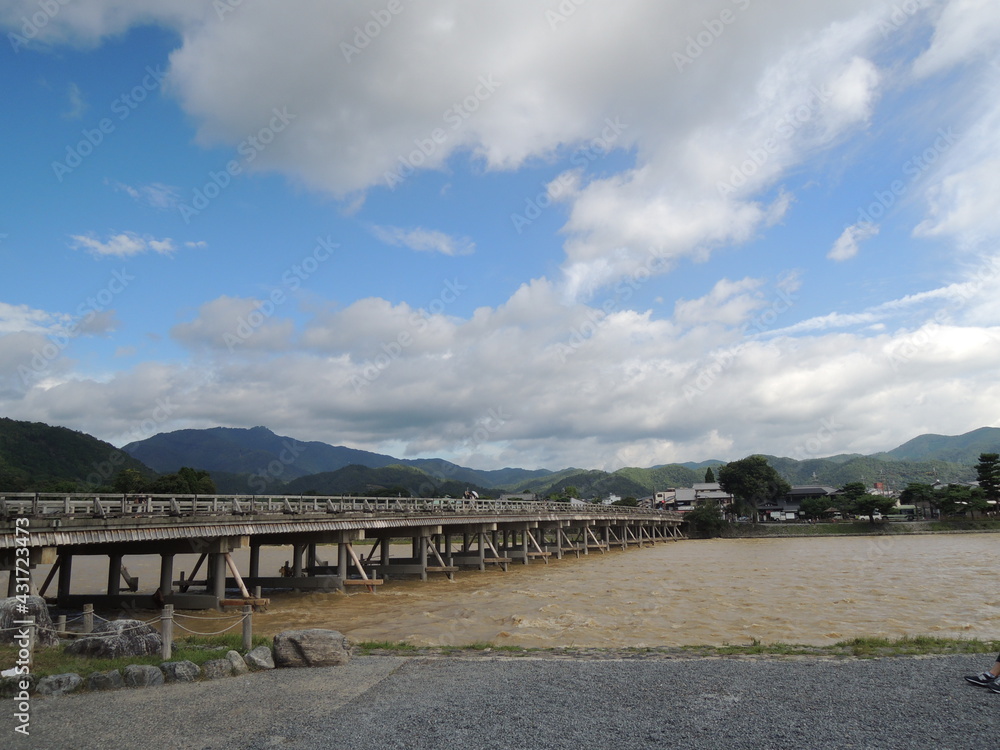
(793, 590)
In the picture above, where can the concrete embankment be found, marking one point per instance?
(544, 703)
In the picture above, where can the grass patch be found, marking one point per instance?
(918, 645)
(54, 660)
(368, 647)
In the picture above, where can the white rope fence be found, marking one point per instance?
(167, 620)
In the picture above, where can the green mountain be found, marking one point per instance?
(35, 457)
(959, 449)
(384, 481)
(255, 460)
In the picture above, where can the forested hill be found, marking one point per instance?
(40, 458)
(35, 456)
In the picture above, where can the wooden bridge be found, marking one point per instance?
(442, 535)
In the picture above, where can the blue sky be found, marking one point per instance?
(506, 234)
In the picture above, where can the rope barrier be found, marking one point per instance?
(217, 632)
(196, 617)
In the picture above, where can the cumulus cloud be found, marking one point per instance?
(425, 240)
(846, 246)
(234, 325)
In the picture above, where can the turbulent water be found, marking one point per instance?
(794, 590)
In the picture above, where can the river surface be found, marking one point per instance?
(792, 590)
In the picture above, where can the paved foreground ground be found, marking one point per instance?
(382, 703)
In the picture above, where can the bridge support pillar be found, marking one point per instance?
(255, 567)
(65, 575)
(217, 568)
(166, 575)
(114, 574)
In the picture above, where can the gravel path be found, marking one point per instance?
(388, 702)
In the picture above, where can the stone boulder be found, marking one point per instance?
(260, 658)
(180, 671)
(239, 666)
(11, 686)
(142, 675)
(112, 640)
(57, 684)
(35, 607)
(311, 648)
(105, 680)
(216, 669)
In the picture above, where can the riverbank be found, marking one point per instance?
(859, 528)
(498, 702)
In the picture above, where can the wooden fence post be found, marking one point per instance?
(88, 618)
(167, 631)
(247, 626)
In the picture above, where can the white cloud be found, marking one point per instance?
(122, 245)
(425, 240)
(77, 105)
(154, 195)
(966, 31)
(846, 246)
(236, 325)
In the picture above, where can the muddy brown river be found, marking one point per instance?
(792, 590)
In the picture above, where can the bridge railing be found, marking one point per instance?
(91, 505)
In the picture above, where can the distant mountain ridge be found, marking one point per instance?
(258, 452)
(37, 457)
(255, 460)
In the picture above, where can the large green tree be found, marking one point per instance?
(705, 521)
(988, 474)
(815, 507)
(869, 505)
(709, 476)
(918, 495)
(752, 480)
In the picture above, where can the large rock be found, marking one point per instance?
(239, 666)
(105, 680)
(11, 686)
(34, 607)
(216, 669)
(57, 684)
(311, 648)
(180, 671)
(142, 675)
(112, 640)
(260, 658)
